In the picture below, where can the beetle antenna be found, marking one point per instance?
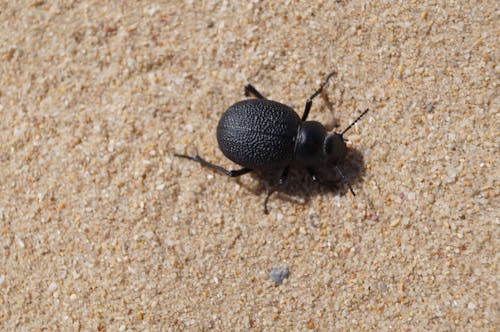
(344, 179)
(354, 122)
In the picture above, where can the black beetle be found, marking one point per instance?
(261, 134)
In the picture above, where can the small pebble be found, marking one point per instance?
(278, 275)
(52, 287)
(429, 107)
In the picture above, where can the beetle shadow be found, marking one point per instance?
(299, 188)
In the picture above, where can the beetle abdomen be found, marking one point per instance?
(258, 133)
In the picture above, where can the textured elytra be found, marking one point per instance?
(258, 133)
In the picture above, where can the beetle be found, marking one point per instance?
(261, 135)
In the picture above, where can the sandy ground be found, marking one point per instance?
(103, 229)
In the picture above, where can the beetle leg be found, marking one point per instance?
(344, 179)
(203, 162)
(249, 89)
(282, 180)
(317, 92)
(312, 173)
(346, 182)
(307, 109)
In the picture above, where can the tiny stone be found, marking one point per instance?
(429, 107)
(52, 287)
(18, 132)
(278, 275)
(151, 11)
(20, 243)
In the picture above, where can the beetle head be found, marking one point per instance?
(335, 148)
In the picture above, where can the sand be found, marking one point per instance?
(102, 228)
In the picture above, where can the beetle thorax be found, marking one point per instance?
(309, 143)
